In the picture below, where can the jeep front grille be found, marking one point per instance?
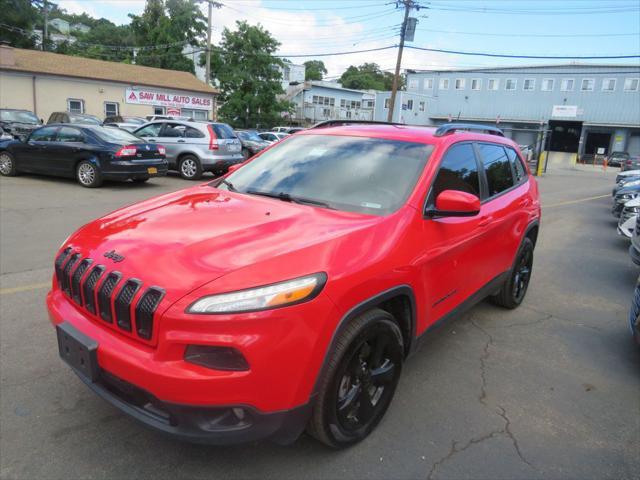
(98, 289)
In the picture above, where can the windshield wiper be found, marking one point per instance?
(228, 184)
(285, 197)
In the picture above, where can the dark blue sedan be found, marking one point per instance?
(89, 153)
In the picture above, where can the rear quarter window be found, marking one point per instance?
(518, 168)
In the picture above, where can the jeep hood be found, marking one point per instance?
(183, 240)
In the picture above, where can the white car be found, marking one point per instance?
(272, 137)
(626, 174)
(628, 218)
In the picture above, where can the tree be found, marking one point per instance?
(174, 22)
(22, 16)
(246, 70)
(314, 70)
(367, 76)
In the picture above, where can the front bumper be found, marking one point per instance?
(283, 347)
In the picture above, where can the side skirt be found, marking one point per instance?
(488, 289)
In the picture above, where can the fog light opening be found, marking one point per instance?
(216, 358)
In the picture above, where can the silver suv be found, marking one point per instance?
(195, 147)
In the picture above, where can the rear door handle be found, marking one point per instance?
(151, 139)
(181, 141)
(484, 221)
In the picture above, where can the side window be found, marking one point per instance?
(497, 167)
(173, 130)
(68, 134)
(193, 133)
(150, 130)
(458, 171)
(518, 168)
(46, 134)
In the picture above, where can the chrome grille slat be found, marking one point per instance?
(122, 304)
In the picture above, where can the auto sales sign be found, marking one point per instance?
(166, 99)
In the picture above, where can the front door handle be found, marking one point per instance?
(484, 221)
(151, 140)
(180, 141)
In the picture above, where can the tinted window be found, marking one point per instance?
(114, 135)
(173, 130)
(223, 131)
(365, 175)
(150, 130)
(497, 167)
(518, 168)
(458, 171)
(18, 116)
(46, 134)
(86, 119)
(193, 133)
(68, 134)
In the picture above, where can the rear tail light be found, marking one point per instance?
(162, 150)
(213, 138)
(127, 151)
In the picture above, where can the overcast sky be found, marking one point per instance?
(540, 27)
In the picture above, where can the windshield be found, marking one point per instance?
(86, 119)
(251, 136)
(114, 135)
(136, 120)
(355, 174)
(18, 116)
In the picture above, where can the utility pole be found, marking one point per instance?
(45, 30)
(211, 4)
(408, 4)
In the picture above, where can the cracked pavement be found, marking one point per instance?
(548, 391)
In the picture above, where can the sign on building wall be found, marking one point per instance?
(564, 111)
(164, 99)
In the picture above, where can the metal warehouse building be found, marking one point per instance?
(45, 82)
(579, 109)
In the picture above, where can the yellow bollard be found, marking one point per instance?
(543, 158)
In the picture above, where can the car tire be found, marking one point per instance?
(88, 174)
(7, 165)
(361, 377)
(190, 168)
(515, 288)
(140, 180)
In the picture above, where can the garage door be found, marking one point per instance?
(524, 137)
(634, 145)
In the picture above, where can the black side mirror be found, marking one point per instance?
(42, 121)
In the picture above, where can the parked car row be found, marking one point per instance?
(626, 207)
(189, 147)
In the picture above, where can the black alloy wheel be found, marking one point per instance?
(361, 380)
(515, 288)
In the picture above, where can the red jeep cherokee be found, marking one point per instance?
(288, 294)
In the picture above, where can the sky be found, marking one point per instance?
(514, 27)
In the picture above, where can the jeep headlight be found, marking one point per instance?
(265, 297)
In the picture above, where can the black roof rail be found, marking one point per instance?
(337, 123)
(447, 128)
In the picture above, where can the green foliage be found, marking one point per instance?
(315, 70)
(368, 76)
(164, 23)
(246, 70)
(20, 14)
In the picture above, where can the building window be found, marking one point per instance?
(547, 85)
(349, 104)
(476, 84)
(428, 83)
(608, 84)
(326, 112)
(75, 105)
(421, 106)
(110, 109)
(511, 84)
(386, 102)
(587, 84)
(320, 100)
(460, 83)
(195, 114)
(287, 74)
(412, 84)
(631, 84)
(368, 103)
(444, 84)
(409, 104)
(567, 85)
(529, 84)
(493, 84)
(158, 110)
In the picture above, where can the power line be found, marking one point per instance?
(541, 35)
(548, 57)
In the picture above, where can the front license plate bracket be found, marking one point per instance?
(78, 351)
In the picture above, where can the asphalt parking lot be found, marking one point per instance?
(550, 390)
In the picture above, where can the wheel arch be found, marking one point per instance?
(399, 301)
(532, 231)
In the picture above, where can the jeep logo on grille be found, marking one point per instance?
(114, 256)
